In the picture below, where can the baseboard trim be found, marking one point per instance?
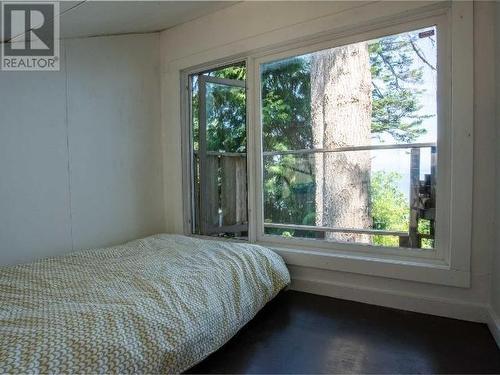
(494, 325)
(449, 308)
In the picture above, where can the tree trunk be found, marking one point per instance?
(341, 116)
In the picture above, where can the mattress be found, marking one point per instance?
(155, 305)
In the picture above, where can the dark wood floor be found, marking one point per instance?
(304, 333)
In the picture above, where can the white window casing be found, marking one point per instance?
(449, 262)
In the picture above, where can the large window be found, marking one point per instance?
(350, 152)
(349, 142)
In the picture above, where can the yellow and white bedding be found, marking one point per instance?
(155, 305)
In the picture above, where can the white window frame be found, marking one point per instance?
(443, 181)
(449, 263)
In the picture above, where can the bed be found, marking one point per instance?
(155, 305)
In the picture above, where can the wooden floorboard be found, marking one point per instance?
(305, 333)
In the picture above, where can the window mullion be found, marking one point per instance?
(253, 152)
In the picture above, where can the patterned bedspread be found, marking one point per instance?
(155, 305)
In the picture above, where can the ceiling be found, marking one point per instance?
(92, 18)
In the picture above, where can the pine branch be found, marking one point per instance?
(377, 90)
(391, 68)
(420, 55)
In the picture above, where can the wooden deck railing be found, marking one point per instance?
(225, 198)
(226, 193)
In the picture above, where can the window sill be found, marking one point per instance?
(419, 270)
(431, 271)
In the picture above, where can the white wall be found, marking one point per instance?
(249, 26)
(80, 155)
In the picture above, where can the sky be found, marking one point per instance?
(399, 160)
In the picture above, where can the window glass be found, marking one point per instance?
(349, 142)
(218, 108)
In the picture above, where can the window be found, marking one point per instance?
(349, 142)
(218, 108)
(350, 152)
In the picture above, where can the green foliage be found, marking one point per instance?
(286, 120)
(238, 72)
(288, 191)
(389, 207)
(226, 112)
(226, 118)
(424, 227)
(396, 88)
(286, 105)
